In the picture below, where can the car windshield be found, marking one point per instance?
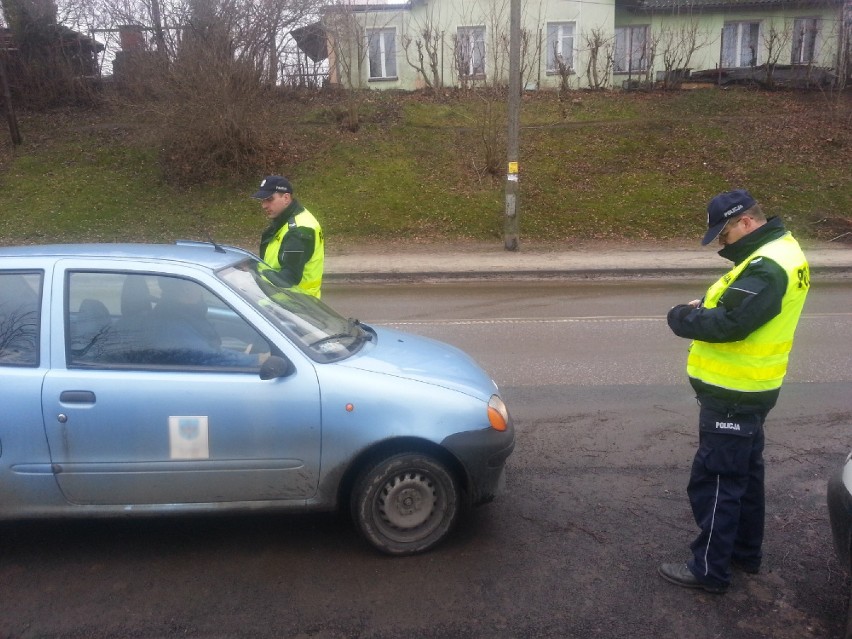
(316, 328)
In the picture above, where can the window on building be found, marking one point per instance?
(805, 32)
(381, 45)
(631, 49)
(560, 46)
(470, 51)
(740, 44)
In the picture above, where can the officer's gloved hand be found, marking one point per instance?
(679, 312)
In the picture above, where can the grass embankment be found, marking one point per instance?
(601, 166)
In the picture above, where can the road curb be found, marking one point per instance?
(817, 272)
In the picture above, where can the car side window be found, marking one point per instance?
(20, 294)
(149, 321)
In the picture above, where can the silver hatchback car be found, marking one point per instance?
(161, 379)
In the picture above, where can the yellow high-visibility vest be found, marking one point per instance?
(758, 362)
(312, 274)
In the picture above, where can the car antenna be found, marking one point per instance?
(216, 247)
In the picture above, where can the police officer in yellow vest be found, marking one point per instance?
(742, 332)
(293, 243)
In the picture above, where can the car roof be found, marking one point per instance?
(205, 254)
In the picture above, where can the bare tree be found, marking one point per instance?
(776, 41)
(496, 28)
(601, 58)
(468, 59)
(844, 54)
(839, 108)
(348, 45)
(53, 65)
(565, 72)
(649, 58)
(214, 98)
(531, 50)
(677, 45)
(530, 57)
(104, 17)
(256, 28)
(211, 97)
(423, 51)
(348, 42)
(351, 34)
(24, 14)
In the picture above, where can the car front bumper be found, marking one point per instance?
(840, 515)
(483, 454)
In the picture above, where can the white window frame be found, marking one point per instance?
(381, 54)
(805, 34)
(737, 53)
(471, 47)
(631, 48)
(560, 44)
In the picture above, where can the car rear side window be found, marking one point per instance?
(20, 294)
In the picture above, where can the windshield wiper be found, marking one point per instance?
(353, 329)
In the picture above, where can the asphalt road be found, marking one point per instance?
(595, 501)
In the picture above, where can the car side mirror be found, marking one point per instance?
(275, 367)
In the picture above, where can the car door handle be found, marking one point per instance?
(77, 397)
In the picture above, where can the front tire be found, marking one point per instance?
(406, 503)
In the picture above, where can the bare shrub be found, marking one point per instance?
(214, 121)
(208, 142)
(490, 128)
(205, 74)
(211, 98)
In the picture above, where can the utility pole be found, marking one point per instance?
(511, 225)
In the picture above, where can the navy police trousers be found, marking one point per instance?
(726, 492)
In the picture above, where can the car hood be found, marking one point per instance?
(426, 360)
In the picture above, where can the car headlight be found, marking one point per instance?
(498, 414)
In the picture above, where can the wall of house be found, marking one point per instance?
(482, 23)
(671, 34)
(593, 24)
(585, 28)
